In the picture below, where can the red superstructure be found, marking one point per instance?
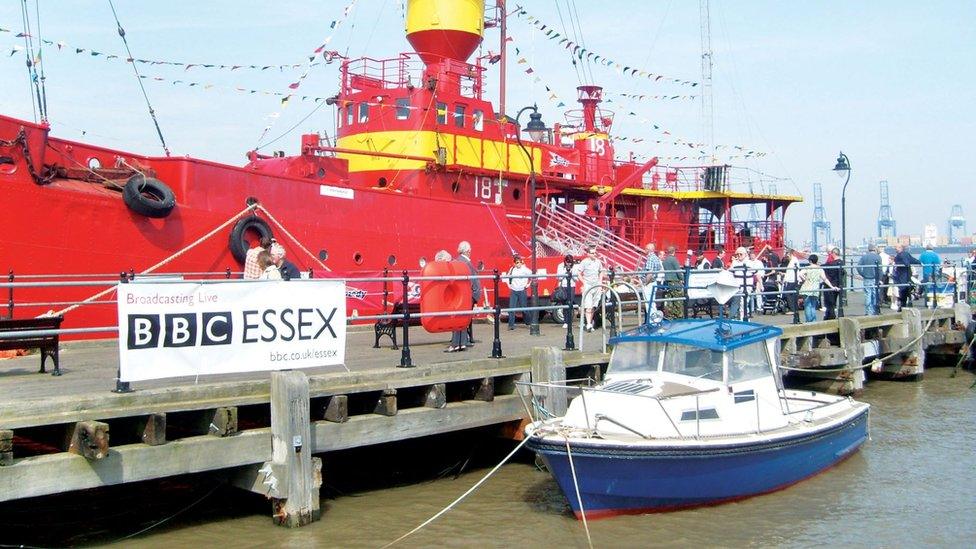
(421, 161)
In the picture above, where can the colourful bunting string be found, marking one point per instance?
(325, 55)
(584, 54)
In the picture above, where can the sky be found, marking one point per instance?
(892, 84)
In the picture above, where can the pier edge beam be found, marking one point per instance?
(910, 362)
(851, 341)
(548, 367)
(291, 451)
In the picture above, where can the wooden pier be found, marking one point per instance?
(60, 434)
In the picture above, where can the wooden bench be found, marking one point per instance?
(47, 344)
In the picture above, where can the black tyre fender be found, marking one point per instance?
(238, 244)
(148, 196)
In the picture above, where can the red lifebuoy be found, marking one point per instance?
(444, 296)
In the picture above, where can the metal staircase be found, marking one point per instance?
(568, 233)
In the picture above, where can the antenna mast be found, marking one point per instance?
(708, 113)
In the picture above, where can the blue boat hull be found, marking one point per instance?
(633, 479)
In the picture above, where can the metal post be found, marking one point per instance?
(843, 229)
(613, 304)
(405, 361)
(796, 294)
(496, 345)
(122, 386)
(935, 289)
(686, 280)
(10, 294)
(570, 301)
(534, 327)
(311, 274)
(132, 274)
(842, 295)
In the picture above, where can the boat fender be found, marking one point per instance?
(445, 296)
(238, 242)
(148, 196)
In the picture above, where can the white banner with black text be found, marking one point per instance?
(190, 329)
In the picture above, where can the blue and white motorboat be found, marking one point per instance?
(691, 413)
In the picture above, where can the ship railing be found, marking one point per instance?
(670, 291)
(710, 235)
(573, 233)
(367, 73)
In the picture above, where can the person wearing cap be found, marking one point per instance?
(834, 271)
(869, 269)
(517, 279)
(287, 268)
(590, 272)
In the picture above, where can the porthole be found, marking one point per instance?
(391, 261)
(323, 255)
(321, 173)
(94, 163)
(516, 193)
(481, 265)
(382, 182)
(423, 262)
(358, 258)
(455, 187)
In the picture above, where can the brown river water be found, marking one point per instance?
(913, 484)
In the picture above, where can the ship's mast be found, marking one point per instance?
(707, 111)
(503, 27)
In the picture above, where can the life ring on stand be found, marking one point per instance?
(438, 296)
(238, 242)
(148, 196)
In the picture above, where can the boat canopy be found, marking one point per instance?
(716, 335)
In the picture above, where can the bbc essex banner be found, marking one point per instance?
(190, 329)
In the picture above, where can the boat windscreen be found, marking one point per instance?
(693, 362)
(749, 362)
(635, 357)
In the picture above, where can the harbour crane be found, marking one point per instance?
(821, 227)
(886, 221)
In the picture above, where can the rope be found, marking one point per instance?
(579, 499)
(458, 500)
(292, 237)
(161, 263)
(500, 230)
(152, 113)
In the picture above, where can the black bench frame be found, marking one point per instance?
(388, 326)
(47, 344)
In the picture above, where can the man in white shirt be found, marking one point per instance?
(756, 272)
(590, 272)
(739, 269)
(518, 279)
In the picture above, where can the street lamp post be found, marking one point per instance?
(537, 130)
(843, 169)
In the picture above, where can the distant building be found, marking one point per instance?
(930, 235)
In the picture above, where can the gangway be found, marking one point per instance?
(569, 233)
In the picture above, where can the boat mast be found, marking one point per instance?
(707, 111)
(503, 52)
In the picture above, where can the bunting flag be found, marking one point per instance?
(321, 49)
(321, 55)
(643, 97)
(583, 54)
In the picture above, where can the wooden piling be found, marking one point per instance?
(906, 338)
(548, 367)
(851, 341)
(88, 439)
(291, 451)
(153, 429)
(386, 404)
(6, 447)
(337, 410)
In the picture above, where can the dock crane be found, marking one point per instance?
(820, 227)
(886, 221)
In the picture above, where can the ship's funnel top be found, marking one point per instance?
(440, 29)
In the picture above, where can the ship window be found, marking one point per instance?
(635, 356)
(704, 413)
(402, 108)
(442, 113)
(358, 258)
(516, 194)
(749, 362)
(363, 113)
(693, 361)
(459, 115)
(382, 182)
(350, 113)
(94, 163)
(323, 255)
(478, 120)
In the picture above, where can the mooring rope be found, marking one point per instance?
(462, 496)
(292, 237)
(161, 263)
(579, 499)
